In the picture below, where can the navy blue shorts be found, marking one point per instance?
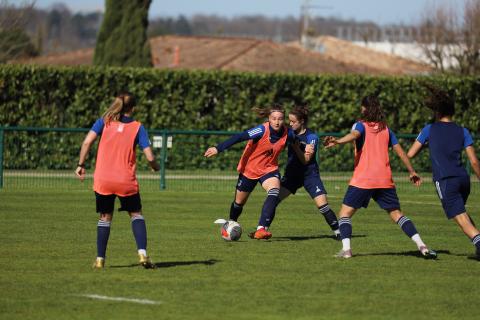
(312, 183)
(106, 203)
(356, 198)
(247, 185)
(453, 193)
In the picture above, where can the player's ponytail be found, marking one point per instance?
(122, 104)
(373, 112)
(301, 113)
(265, 112)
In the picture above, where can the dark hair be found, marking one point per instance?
(301, 113)
(265, 112)
(439, 101)
(123, 103)
(373, 111)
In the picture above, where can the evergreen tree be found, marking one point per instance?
(122, 40)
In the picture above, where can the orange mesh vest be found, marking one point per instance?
(116, 160)
(261, 158)
(372, 164)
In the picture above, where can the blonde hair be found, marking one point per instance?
(123, 103)
(265, 112)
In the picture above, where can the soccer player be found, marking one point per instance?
(446, 140)
(302, 167)
(372, 175)
(259, 163)
(115, 172)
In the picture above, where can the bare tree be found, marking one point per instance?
(451, 40)
(14, 42)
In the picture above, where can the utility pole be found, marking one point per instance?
(306, 33)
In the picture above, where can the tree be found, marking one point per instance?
(450, 40)
(14, 41)
(122, 40)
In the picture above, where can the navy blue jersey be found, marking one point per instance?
(142, 136)
(446, 140)
(294, 164)
(255, 134)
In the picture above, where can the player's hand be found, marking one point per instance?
(212, 151)
(329, 142)
(80, 172)
(415, 179)
(154, 166)
(309, 149)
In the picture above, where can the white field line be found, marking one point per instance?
(99, 297)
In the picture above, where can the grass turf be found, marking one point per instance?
(48, 245)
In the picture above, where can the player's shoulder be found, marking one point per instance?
(257, 130)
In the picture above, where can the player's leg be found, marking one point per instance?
(465, 223)
(105, 206)
(354, 199)
(314, 186)
(271, 183)
(243, 189)
(345, 228)
(388, 200)
(133, 205)
(454, 193)
(330, 218)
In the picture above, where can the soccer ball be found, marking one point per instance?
(230, 230)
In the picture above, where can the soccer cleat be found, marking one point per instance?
(345, 254)
(427, 253)
(260, 234)
(146, 262)
(99, 263)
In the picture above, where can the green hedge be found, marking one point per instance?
(213, 100)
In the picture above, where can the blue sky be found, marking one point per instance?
(380, 11)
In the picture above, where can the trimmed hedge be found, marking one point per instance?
(214, 100)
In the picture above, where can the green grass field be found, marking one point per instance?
(48, 241)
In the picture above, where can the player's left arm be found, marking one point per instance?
(86, 145)
(414, 177)
(470, 150)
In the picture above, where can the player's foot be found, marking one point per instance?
(260, 234)
(146, 262)
(345, 254)
(99, 263)
(427, 253)
(336, 235)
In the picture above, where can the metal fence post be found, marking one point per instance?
(2, 133)
(163, 160)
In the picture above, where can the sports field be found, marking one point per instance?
(48, 245)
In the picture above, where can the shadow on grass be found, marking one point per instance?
(404, 254)
(169, 264)
(303, 238)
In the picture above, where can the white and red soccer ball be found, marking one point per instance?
(230, 230)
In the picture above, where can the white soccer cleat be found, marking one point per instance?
(345, 254)
(220, 221)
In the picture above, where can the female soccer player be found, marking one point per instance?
(115, 172)
(446, 140)
(259, 163)
(372, 176)
(302, 167)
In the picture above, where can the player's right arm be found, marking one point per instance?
(419, 142)
(252, 134)
(86, 145)
(354, 134)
